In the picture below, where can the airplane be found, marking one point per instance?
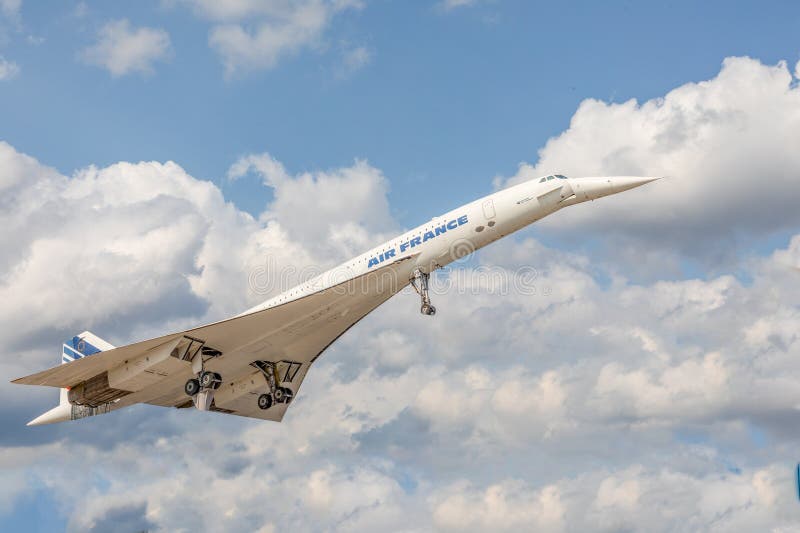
(252, 364)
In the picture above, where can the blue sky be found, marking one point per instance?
(650, 382)
(448, 97)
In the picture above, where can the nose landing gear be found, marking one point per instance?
(419, 281)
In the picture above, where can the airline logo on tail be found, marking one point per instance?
(82, 345)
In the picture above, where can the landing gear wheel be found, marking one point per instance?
(207, 380)
(192, 387)
(210, 380)
(287, 394)
(427, 309)
(280, 394)
(264, 401)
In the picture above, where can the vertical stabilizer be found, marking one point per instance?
(79, 346)
(86, 343)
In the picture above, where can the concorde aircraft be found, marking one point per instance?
(252, 364)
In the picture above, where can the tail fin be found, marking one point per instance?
(81, 345)
(86, 343)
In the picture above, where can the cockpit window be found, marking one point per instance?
(559, 176)
(542, 180)
(550, 178)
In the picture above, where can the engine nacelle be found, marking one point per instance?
(227, 395)
(146, 369)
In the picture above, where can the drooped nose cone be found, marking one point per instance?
(593, 188)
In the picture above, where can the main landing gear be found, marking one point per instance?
(202, 388)
(206, 380)
(276, 394)
(419, 281)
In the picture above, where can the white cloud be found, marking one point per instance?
(257, 34)
(507, 506)
(510, 405)
(632, 499)
(727, 146)
(123, 49)
(687, 389)
(8, 69)
(350, 204)
(168, 242)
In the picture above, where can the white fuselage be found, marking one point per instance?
(465, 229)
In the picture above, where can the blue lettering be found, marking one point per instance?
(417, 241)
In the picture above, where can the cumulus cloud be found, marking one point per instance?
(257, 34)
(592, 402)
(688, 388)
(8, 69)
(627, 500)
(623, 500)
(184, 244)
(727, 146)
(123, 49)
(350, 204)
(507, 506)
